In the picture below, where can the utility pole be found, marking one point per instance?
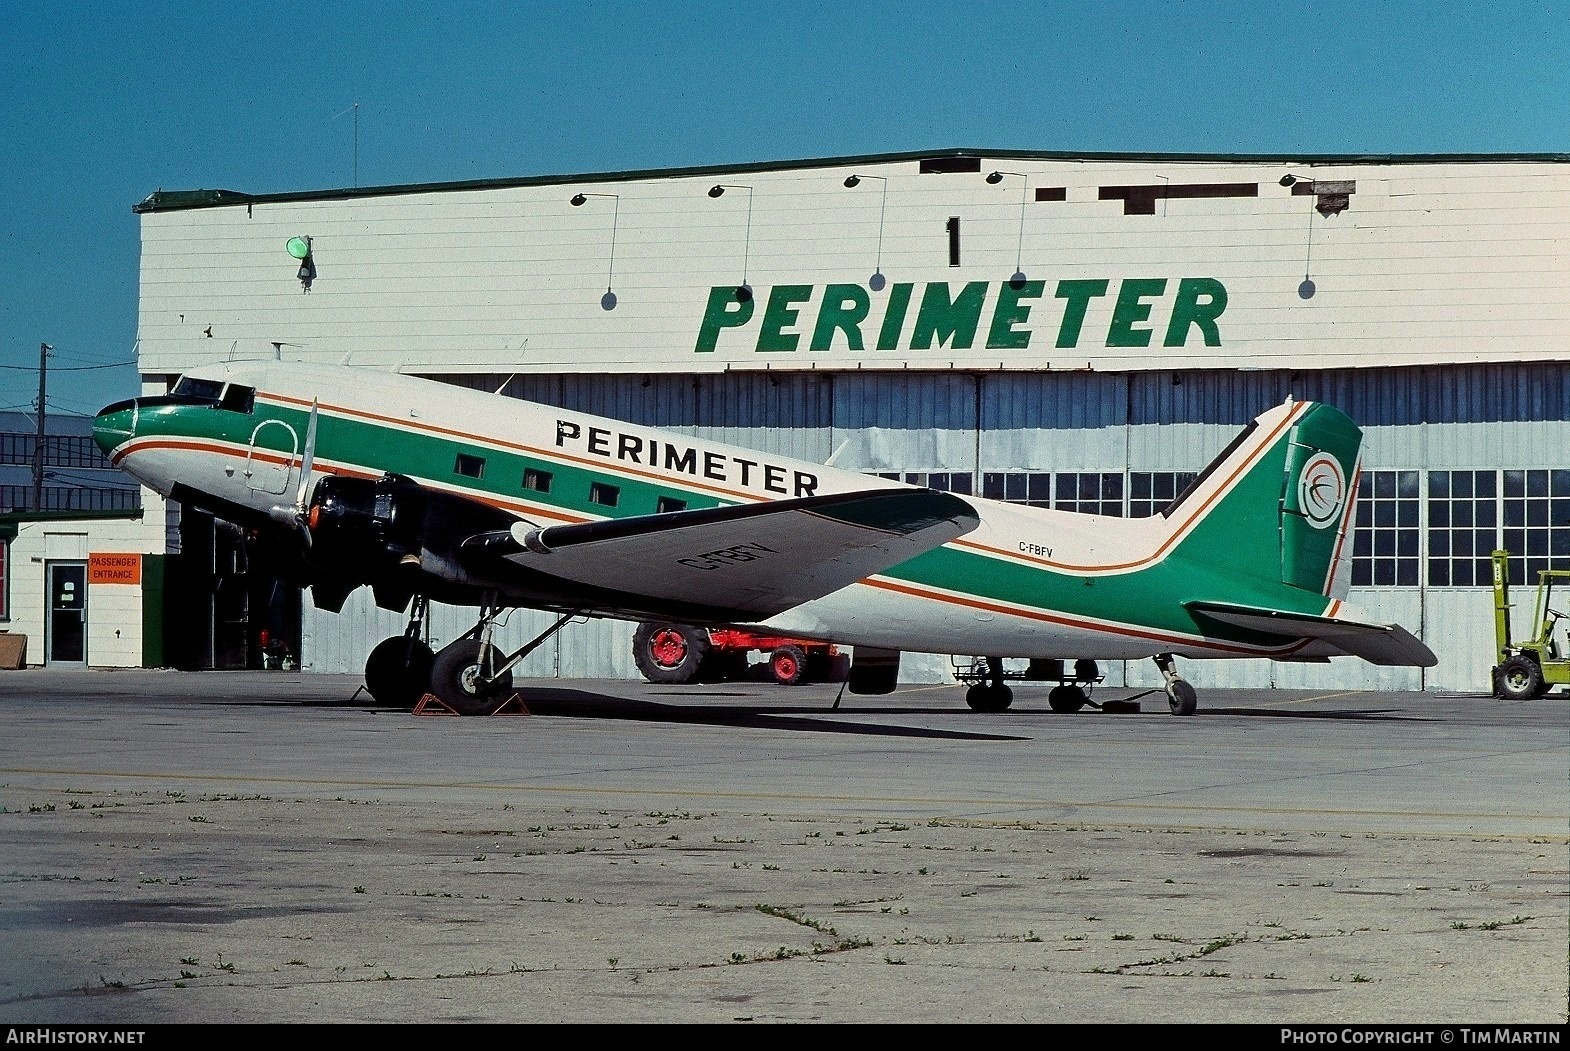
(38, 447)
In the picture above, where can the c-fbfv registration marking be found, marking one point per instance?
(726, 557)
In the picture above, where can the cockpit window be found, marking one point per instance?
(198, 389)
(238, 398)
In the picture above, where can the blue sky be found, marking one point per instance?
(101, 103)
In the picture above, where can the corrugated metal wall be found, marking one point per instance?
(1455, 417)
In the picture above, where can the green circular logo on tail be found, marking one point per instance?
(1321, 490)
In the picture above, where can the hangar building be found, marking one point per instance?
(1082, 331)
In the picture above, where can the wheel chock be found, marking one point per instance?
(430, 704)
(513, 706)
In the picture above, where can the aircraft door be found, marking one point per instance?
(267, 469)
(66, 628)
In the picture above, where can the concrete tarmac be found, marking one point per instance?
(272, 847)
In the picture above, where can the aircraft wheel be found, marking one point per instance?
(1066, 698)
(1520, 679)
(983, 698)
(788, 664)
(669, 653)
(398, 671)
(454, 678)
(1181, 697)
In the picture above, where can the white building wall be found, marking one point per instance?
(114, 611)
(1430, 261)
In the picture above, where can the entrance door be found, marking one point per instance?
(66, 641)
(265, 470)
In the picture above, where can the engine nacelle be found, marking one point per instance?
(395, 535)
(360, 527)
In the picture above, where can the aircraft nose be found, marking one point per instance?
(114, 424)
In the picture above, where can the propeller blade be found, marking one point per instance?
(305, 462)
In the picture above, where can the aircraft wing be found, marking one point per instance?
(1385, 644)
(738, 563)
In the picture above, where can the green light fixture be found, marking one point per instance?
(300, 249)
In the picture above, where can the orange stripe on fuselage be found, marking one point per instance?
(1172, 537)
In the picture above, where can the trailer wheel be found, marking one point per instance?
(789, 665)
(669, 653)
(1520, 679)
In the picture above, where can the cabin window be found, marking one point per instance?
(606, 495)
(5, 577)
(669, 504)
(238, 398)
(953, 229)
(470, 466)
(536, 480)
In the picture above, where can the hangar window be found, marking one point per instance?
(536, 480)
(943, 481)
(668, 504)
(953, 229)
(469, 466)
(1033, 488)
(1463, 527)
(5, 579)
(1151, 492)
(1089, 493)
(1536, 522)
(606, 495)
(1388, 532)
(1473, 513)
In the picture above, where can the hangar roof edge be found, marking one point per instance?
(176, 200)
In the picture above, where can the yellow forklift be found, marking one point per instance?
(1530, 667)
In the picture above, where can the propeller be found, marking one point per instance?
(304, 492)
(296, 516)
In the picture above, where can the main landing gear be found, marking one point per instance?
(1181, 697)
(990, 694)
(472, 676)
(398, 671)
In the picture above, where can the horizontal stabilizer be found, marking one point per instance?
(1384, 644)
(747, 561)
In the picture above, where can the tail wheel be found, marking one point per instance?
(398, 671)
(788, 665)
(669, 653)
(457, 678)
(1181, 697)
(1520, 679)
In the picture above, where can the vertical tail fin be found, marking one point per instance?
(1282, 498)
(1275, 508)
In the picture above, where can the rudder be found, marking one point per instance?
(1318, 495)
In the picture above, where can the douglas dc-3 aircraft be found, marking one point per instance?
(425, 491)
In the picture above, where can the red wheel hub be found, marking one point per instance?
(668, 647)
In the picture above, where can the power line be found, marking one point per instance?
(73, 368)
